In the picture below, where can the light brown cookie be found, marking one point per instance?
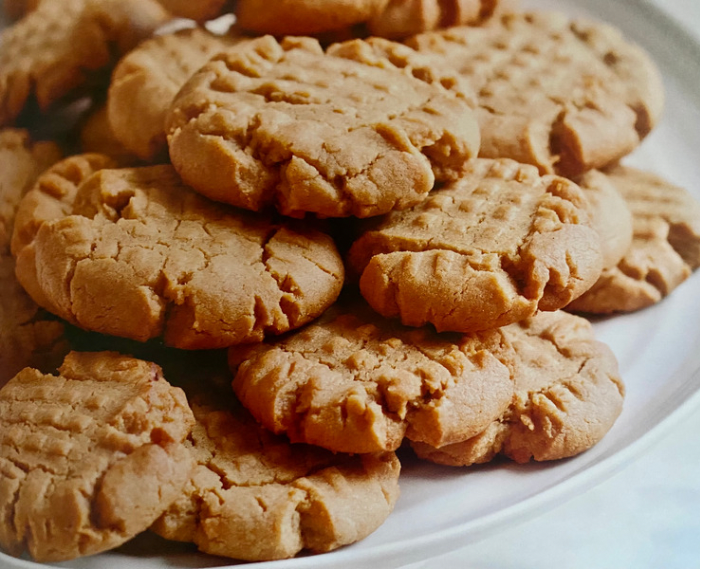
(148, 78)
(303, 17)
(482, 252)
(566, 96)
(140, 255)
(359, 383)
(256, 496)
(51, 52)
(97, 137)
(568, 395)
(341, 133)
(199, 10)
(88, 458)
(610, 215)
(665, 249)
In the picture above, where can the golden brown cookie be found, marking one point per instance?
(610, 215)
(148, 78)
(199, 10)
(97, 137)
(665, 249)
(341, 133)
(140, 255)
(359, 383)
(51, 52)
(256, 496)
(566, 96)
(482, 252)
(88, 458)
(568, 395)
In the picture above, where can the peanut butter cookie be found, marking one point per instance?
(566, 96)
(88, 458)
(330, 133)
(568, 396)
(360, 384)
(97, 137)
(482, 252)
(199, 10)
(665, 249)
(140, 255)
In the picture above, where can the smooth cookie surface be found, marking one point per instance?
(341, 133)
(665, 249)
(140, 255)
(568, 395)
(566, 96)
(90, 457)
(482, 252)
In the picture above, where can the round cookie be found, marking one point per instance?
(360, 384)
(566, 96)
(610, 215)
(568, 395)
(482, 252)
(51, 52)
(88, 458)
(140, 255)
(147, 79)
(664, 252)
(256, 496)
(346, 132)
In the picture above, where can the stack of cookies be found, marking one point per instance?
(265, 256)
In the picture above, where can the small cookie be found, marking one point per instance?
(88, 458)
(304, 17)
(256, 496)
(565, 96)
(610, 215)
(341, 133)
(568, 395)
(148, 78)
(664, 252)
(200, 10)
(50, 52)
(482, 252)
(97, 137)
(359, 384)
(140, 255)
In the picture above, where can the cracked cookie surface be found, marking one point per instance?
(568, 394)
(566, 96)
(90, 457)
(140, 255)
(665, 249)
(256, 496)
(147, 79)
(358, 383)
(309, 131)
(482, 252)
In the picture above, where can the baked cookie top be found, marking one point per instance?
(665, 249)
(147, 79)
(51, 52)
(346, 132)
(482, 252)
(140, 255)
(89, 458)
(568, 394)
(256, 496)
(359, 383)
(566, 96)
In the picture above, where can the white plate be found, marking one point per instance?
(658, 350)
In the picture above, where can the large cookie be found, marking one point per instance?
(51, 52)
(140, 255)
(484, 251)
(88, 458)
(568, 395)
(27, 336)
(566, 96)
(358, 383)
(256, 496)
(665, 249)
(346, 132)
(148, 78)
